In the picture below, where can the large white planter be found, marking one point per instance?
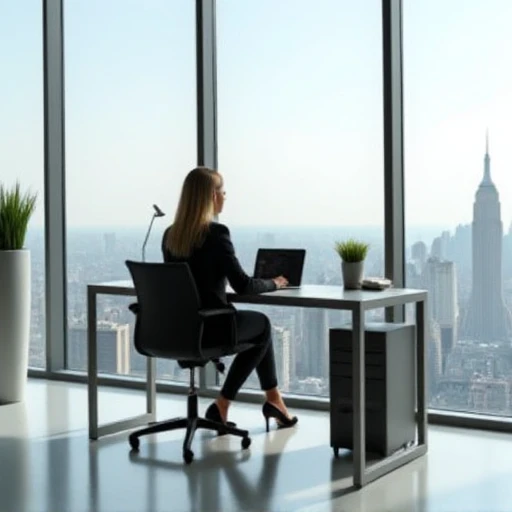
(14, 324)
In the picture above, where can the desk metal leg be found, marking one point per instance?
(421, 377)
(92, 364)
(95, 430)
(151, 388)
(358, 396)
(362, 474)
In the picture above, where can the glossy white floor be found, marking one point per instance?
(48, 464)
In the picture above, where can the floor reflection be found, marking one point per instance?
(48, 464)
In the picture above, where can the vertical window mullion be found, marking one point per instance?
(206, 112)
(394, 231)
(54, 180)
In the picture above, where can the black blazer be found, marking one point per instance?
(215, 262)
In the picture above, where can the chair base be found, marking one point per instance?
(191, 423)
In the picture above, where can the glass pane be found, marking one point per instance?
(458, 84)
(300, 147)
(22, 139)
(131, 135)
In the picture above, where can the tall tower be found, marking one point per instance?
(487, 318)
(441, 282)
(315, 349)
(281, 336)
(419, 255)
(113, 348)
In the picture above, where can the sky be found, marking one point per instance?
(299, 108)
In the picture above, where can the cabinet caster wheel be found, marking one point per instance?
(188, 456)
(336, 452)
(246, 442)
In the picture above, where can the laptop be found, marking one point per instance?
(272, 263)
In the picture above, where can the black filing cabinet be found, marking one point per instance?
(390, 386)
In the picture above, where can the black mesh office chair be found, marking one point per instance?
(170, 324)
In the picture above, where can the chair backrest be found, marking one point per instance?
(168, 323)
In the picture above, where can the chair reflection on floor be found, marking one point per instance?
(204, 476)
(275, 474)
(261, 490)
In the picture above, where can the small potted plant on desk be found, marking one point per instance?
(352, 254)
(15, 212)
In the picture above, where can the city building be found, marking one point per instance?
(282, 341)
(441, 282)
(434, 358)
(113, 348)
(315, 347)
(419, 254)
(490, 395)
(487, 318)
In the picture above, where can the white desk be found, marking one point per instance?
(312, 296)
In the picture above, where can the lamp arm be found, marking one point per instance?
(147, 238)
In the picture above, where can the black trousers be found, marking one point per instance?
(254, 334)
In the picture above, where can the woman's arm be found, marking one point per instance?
(238, 279)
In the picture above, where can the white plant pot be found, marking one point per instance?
(14, 324)
(352, 274)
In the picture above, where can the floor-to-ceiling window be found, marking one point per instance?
(22, 139)
(130, 139)
(458, 162)
(300, 145)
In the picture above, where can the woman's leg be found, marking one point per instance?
(253, 328)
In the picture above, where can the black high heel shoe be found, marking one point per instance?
(213, 414)
(271, 411)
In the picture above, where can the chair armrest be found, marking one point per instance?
(210, 313)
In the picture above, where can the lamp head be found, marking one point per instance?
(158, 212)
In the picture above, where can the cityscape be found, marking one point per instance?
(467, 272)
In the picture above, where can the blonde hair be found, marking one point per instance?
(194, 213)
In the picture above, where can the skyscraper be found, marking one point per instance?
(281, 337)
(440, 281)
(440, 245)
(113, 348)
(315, 347)
(419, 255)
(434, 357)
(487, 318)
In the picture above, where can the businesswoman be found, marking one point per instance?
(206, 246)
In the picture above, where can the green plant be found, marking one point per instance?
(15, 212)
(352, 251)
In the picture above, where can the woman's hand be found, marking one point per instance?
(280, 281)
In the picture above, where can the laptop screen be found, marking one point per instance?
(289, 263)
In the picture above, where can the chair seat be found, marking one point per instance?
(212, 354)
(188, 365)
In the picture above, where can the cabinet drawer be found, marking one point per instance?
(345, 370)
(372, 358)
(341, 389)
(344, 343)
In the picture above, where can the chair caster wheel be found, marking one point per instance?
(246, 442)
(336, 451)
(188, 456)
(134, 443)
